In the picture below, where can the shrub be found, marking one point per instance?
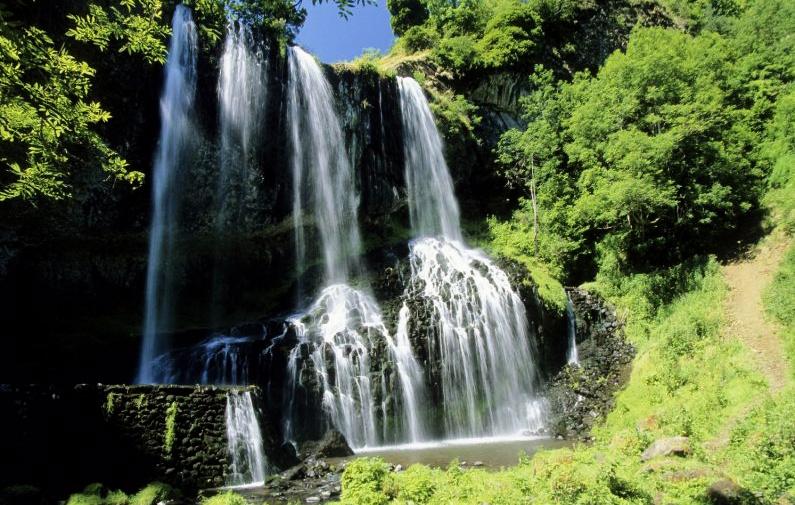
(153, 493)
(365, 481)
(228, 498)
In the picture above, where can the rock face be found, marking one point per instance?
(332, 445)
(725, 492)
(61, 439)
(673, 446)
(581, 394)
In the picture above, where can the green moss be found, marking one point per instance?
(111, 402)
(117, 498)
(171, 426)
(140, 401)
(84, 499)
(153, 493)
(227, 498)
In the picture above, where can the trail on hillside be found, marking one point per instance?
(747, 279)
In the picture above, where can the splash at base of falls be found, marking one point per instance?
(479, 342)
(347, 349)
(247, 462)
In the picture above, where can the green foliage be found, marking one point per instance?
(649, 158)
(779, 151)
(117, 498)
(48, 124)
(365, 481)
(779, 301)
(85, 499)
(227, 498)
(136, 26)
(762, 449)
(153, 493)
(406, 14)
(171, 427)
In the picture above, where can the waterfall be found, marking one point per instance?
(242, 95)
(480, 336)
(412, 388)
(247, 461)
(321, 170)
(343, 329)
(571, 328)
(176, 106)
(432, 205)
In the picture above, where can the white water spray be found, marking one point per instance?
(176, 106)
(247, 462)
(571, 327)
(242, 95)
(481, 337)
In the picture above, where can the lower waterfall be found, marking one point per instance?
(479, 344)
(247, 462)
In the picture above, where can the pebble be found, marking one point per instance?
(398, 468)
(477, 463)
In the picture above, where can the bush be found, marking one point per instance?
(365, 482)
(419, 38)
(228, 498)
(153, 493)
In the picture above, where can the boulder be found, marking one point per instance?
(724, 492)
(332, 445)
(672, 446)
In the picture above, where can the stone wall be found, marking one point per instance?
(62, 438)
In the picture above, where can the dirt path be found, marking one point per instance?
(747, 279)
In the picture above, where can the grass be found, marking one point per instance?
(687, 380)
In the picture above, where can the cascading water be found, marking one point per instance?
(247, 462)
(242, 95)
(480, 337)
(571, 327)
(176, 106)
(344, 327)
(321, 171)
(432, 205)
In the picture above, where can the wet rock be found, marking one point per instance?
(724, 492)
(581, 394)
(313, 499)
(332, 445)
(672, 446)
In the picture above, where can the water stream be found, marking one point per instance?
(480, 338)
(176, 107)
(247, 462)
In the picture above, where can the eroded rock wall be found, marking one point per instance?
(63, 438)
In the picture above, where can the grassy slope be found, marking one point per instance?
(691, 377)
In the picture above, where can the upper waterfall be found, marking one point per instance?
(242, 96)
(176, 108)
(432, 205)
(323, 179)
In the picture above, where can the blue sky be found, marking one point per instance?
(333, 39)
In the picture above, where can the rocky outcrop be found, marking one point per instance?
(671, 446)
(63, 438)
(581, 394)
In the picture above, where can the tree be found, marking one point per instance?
(47, 121)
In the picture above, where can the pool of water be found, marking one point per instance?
(491, 453)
